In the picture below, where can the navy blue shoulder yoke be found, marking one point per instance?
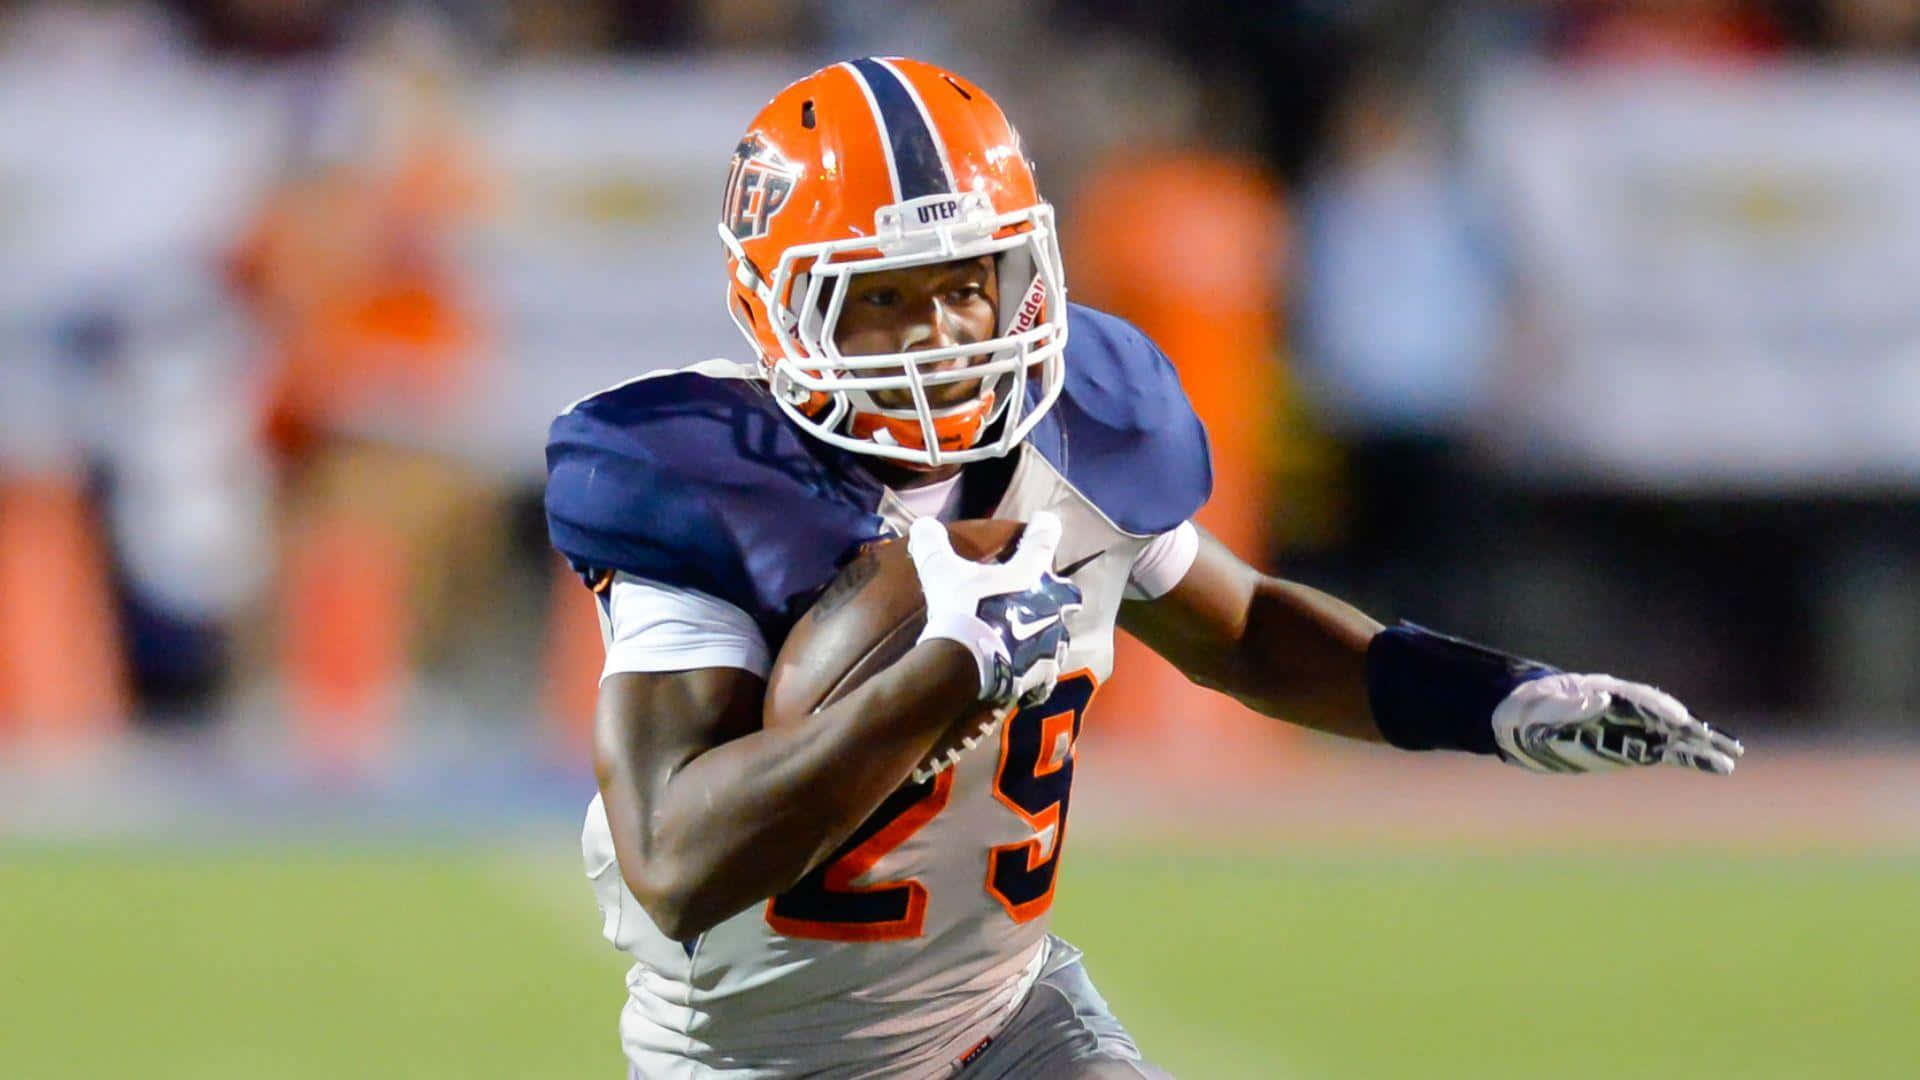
(700, 482)
(696, 479)
(1123, 431)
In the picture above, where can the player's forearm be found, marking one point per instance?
(747, 818)
(1302, 658)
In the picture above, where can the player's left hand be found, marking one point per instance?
(1587, 723)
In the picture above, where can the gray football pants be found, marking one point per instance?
(1064, 1030)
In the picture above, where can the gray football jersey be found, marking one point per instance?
(924, 932)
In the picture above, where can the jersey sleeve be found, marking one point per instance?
(657, 627)
(1163, 563)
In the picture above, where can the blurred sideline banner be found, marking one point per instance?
(600, 261)
(1718, 275)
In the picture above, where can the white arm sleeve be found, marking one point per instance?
(655, 627)
(1163, 562)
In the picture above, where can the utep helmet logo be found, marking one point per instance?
(758, 184)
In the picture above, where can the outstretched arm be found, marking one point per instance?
(1295, 653)
(1284, 649)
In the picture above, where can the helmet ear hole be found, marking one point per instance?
(746, 309)
(806, 114)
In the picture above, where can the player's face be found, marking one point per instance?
(921, 307)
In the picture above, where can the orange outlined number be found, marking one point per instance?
(1035, 780)
(826, 904)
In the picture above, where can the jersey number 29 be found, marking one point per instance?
(1034, 780)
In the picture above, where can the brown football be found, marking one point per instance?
(867, 618)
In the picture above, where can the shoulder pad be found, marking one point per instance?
(1123, 432)
(700, 482)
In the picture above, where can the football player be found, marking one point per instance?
(806, 899)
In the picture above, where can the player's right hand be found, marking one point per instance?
(1010, 615)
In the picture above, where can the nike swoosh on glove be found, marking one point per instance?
(1011, 616)
(1566, 723)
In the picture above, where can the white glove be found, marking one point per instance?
(1009, 615)
(1585, 723)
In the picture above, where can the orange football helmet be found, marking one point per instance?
(878, 164)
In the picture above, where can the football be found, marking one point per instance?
(865, 619)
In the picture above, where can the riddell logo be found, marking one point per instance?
(758, 185)
(1031, 307)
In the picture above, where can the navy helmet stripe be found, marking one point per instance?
(919, 168)
(933, 129)
(880, 123)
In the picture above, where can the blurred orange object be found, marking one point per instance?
(1203, 282)
(345, 653)
(343, 267)
(63, 679)
(575, 655)
(347, 267)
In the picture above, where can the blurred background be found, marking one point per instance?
(1587, 328)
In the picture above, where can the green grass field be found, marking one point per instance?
(464, 964)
